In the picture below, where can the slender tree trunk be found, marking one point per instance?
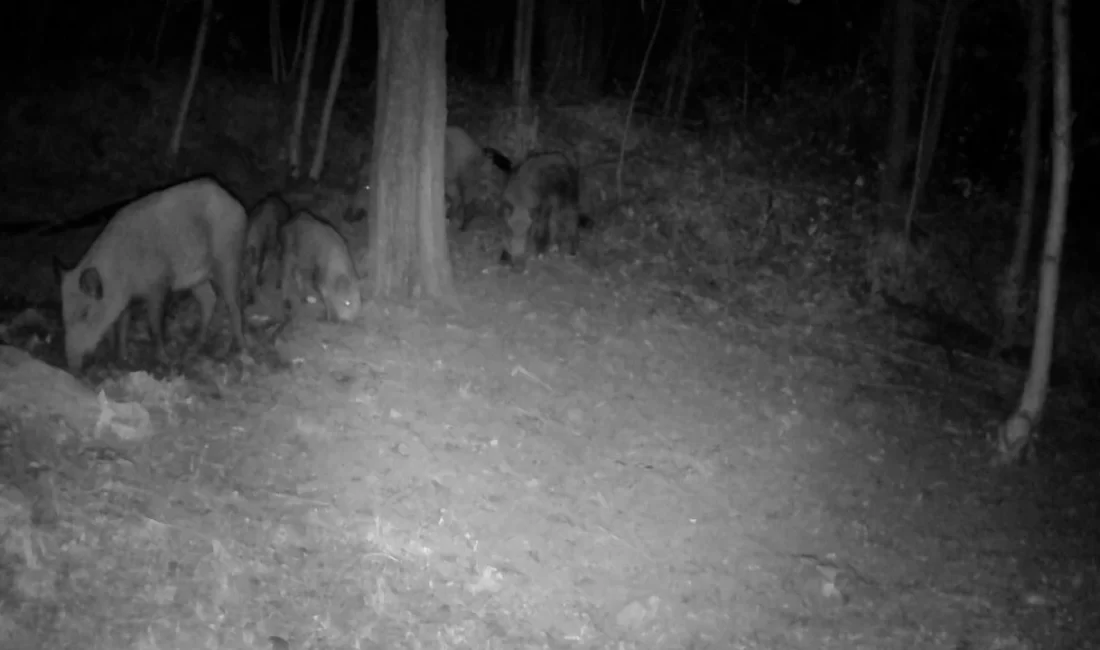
(333, 87)
(160, 32)
(685, 89)
(192, 80)
(294, 155)
(557, 32)
(408, 240)
(1017, 433)
(275, 41)
(634, 98)
(580, 55)
(298, 40)
(595, 61)
(526, 123)
(551, 22)
(939, 80)
(1009, 294)
(897, 147)
(682, 72)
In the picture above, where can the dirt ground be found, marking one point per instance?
(588, 456)
(594, 454)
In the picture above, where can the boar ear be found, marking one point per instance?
(91, 284)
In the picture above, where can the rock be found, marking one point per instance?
(28, 384)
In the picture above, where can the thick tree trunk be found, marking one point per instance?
(192, 80)
(1018, 432)
(333, 87)
(408, 240)
(1008, 297)
(294, 146)
(897, 146)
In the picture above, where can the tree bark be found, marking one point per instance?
(680, 66)
(897, 147)
(160, 32)
(294, 155)
(1017, 434)
(595, 61)
(634, 99)
(526, 124)
(557, 31)
(554, 14)
(275, 41)
(408, 240)
(192, 80)
(333, 88)
(937, 100)
(299, 37)
(1009, 295)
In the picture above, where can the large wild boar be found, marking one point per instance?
(186, 237)
(542, 198)
(315, 250)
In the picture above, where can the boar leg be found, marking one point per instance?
(154, 311)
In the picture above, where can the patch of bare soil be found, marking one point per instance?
(581, 458)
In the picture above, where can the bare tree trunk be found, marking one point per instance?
(160, 32)
(296, 60)
(275, 41)
(333, 87)
(580, 56)
(558, 32)
(680, 67)
(526, 123)
(1016, 438)
(687, 72)
(747, 69)
(553, 28)
(192, 80)
(408, 232)
(634, 98)
(897, 147)
(672, 84)
(613, 42)
(935, 99)
(294, 155)
(1008, 297)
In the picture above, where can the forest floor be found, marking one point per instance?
(582, 457)
(593, 454)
